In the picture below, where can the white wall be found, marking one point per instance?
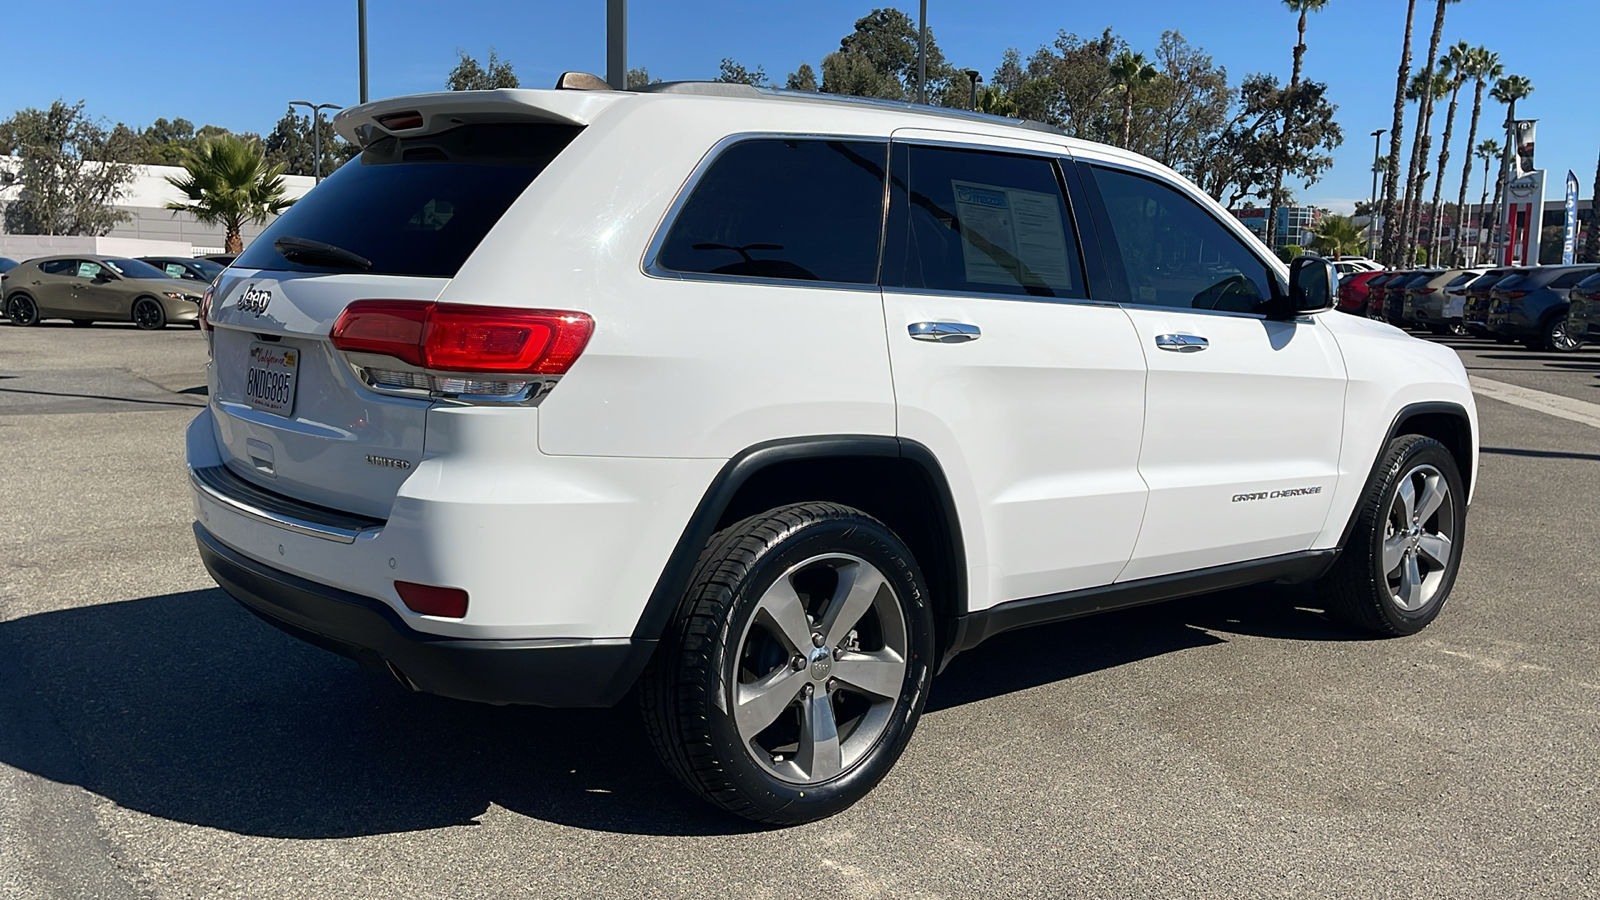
(27, 246)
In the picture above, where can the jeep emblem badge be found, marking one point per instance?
(254, 301)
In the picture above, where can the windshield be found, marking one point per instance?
(207, 268)
(415, 206)
(133, 268)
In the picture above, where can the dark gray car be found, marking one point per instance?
(1533, 309)
(89, 289)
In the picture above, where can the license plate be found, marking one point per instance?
(269, 378)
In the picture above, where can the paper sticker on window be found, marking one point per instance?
(1011, 236)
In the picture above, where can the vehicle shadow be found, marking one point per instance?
(185, 707)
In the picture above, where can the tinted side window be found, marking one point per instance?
(1175, 252)
(982, 221)
(808, 210)
(1569, 279)
(59, 266)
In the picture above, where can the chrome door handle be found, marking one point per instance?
(943, 332)
(1182, 343)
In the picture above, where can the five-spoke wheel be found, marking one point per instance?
(1417, 538)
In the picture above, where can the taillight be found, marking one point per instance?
(450, 603)
(205, 308)
(401, 121)
(1515, 295)
(490, 351)
(1426, 290)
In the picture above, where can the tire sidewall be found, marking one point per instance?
(134, 314)
(1434, 454)
(860, 536)
(17, 299)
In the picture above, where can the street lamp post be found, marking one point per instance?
(922, 52)
(316, 132)
(361, 38)
(976, 77)
(1372, 224)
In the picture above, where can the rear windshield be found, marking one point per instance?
(416, 206)
(1489, 280)
(1461, 279)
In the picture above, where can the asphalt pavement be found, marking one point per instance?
(157, 741)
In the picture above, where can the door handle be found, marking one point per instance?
(943, 332)
(1182, 343)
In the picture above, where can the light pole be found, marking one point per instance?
(316, 131)
(361, 37)
(976, 77)
(1372, 225)
(922, 52)
(617, 44)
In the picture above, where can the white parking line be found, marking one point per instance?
(1527, 398)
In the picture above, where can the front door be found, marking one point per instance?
(1244, 415)
(1031, 394)
(95, 298)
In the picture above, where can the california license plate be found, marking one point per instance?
(269, 378)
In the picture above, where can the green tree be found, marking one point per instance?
(1187, 106)
(1487, 150)
(292, 145)
(802, 79)
(229, 183)
(1242, 160)
(878, 58)
(638, 78)
(470, 75)
(1338, 236)
(733, 73)
(1391, 176)
(1291, 252)
(70, 173)
(1481, 66)
(1507, 90)
(992, 99)
(1304, 8)
(1128, 70)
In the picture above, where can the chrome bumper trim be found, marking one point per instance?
(221, 486)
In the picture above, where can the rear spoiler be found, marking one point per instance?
(421, 114)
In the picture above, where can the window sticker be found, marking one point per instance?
(1011, 236)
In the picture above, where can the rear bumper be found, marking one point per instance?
(540, 672)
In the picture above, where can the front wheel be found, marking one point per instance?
(1401, 559)
(148, 314)
(797, 667)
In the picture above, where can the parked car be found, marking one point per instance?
(1377, 292)
(1475, 313)
(89, 289)
(1395, 311)
(7, 264)
(1455, 300)
(1532, 308)
(1353, 291)
(1429, 303)
(221, 259)
(812, 396)
(202, 270)
(1583, 309)
(1350, 265)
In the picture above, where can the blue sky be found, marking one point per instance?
(190, 59)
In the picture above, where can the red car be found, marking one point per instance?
(1353, 291)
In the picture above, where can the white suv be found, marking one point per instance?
(767, 405)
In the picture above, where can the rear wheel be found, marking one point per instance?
(797, 667)
(148, 314)
(1401, 559)
(21, 310)
(1556, 337)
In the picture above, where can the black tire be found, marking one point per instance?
(148, 314)
(1357, 589)
(688, 692)
(21, 310)
(1553, 337)
(83, 323)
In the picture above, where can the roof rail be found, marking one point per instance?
(733, 89)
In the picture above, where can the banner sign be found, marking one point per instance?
(1569, 235)
(1525, 131)
(1524, 208)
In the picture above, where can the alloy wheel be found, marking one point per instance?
(1418, 538)
(1560, 338)
(22, 311)
(822, 662)
(147, 314)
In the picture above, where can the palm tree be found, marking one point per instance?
(1391, 177)
(1425, 91)
(230, 184)
(1482, 67)
(1508, 90)
(1337, 236)
(1419, 147)
(1487, 151)
(1129, 69)
(1304, 8)
(1454, 67)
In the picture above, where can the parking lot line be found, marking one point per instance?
(1539, 401)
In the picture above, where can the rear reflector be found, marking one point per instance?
(468, 339)
(428, 600)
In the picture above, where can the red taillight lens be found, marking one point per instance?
(1426, 290)
(385, 327)
(450, 603)
(453, 338)
(401, 121)
(1516, 295)
(205, 309)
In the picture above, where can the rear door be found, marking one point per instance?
(1028, 390)
(1243, 414)
(51, 285)
(292, 413)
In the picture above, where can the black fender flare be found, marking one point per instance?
(1406, 414)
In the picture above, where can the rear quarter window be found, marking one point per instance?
(417, 205)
